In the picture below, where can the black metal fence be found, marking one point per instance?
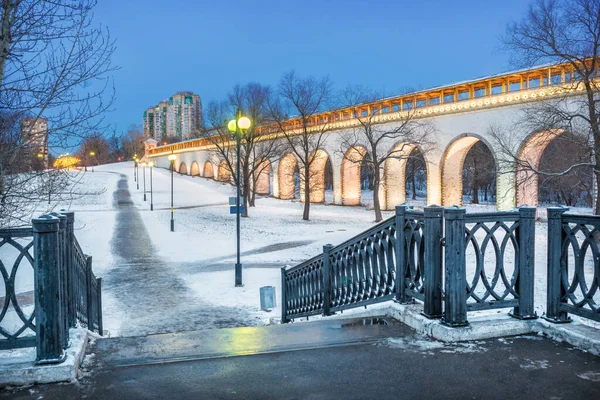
(426, 261)
(573, 266)
(47, 259)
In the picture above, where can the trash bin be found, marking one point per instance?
(267, 298)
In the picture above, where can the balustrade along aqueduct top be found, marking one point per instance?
(452, 262)
(65, 289)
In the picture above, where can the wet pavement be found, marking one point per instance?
(147, 288)
(335, 359)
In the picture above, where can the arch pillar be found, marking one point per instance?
(434, 182)
(336, 165)
(275, 182)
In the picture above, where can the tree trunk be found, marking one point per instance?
(414, 186)
(5, 38)
(597, 199)
(475, 194)
(246, 193)
(376, 205)
(306, 214)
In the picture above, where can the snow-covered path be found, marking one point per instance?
(149, 291)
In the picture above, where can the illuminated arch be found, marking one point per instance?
(286, 170)
(194, 169)
(209, 171)
(316, 177)
(182, 169)
(351, 165)
(262, 177)
(224, 173)
(395, 174)
(530, 155)
(452, 168)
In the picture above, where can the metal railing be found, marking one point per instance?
(573, 266)
(424, 261)
(16, 260)
(65, 289)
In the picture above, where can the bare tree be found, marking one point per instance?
(257, 152)
(375, 136)
(479, 172)
(305, 135)
(54, 66)
(560, 32)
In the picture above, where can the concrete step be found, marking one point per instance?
(230, 342)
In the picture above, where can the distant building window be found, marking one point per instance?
(396, 108)
(514, 86)
(449, 98)
(385, 110)
(479, 92)
(421, 103)
(433, 101)
(463, 95)
(408, 105)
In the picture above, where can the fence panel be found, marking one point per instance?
(573, 266)
(303, 287)
(17, 301)
(362, 269)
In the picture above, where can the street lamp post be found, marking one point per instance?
(238, 127)
(92, 154)
(151, 165)
(134, 165)
(144, 175)
(172, 158)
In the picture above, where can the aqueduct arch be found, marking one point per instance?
(194, 169)
(262, 177)
(285, 176)
(316, 177)
(209, 171)
(351, 166)
(224, 173)
(182, 169)
(530, 155)
(395, 174)
(452, 169)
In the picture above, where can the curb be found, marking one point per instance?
(27, 373)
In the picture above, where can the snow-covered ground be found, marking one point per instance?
(201, 252)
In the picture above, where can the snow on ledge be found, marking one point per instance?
(18, 367)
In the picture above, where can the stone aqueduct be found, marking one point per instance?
(462, 115)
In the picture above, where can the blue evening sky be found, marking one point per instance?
(208, 46)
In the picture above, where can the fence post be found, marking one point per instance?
(283, 297)
(70, 279)
(432, 280)
(62, 263)
(327, 280)
(48, 319)
(99, 302)
(401, 255)
(526, 278)
(555, 290)
(88, 292)
(455, 311)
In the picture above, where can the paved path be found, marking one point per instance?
(328, 360)
(152, 296)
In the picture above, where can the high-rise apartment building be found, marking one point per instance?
(179, 116)
(34, 135)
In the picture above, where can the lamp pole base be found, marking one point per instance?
(151, 207)
(238, 275)
(172, 225)
(144, 196)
